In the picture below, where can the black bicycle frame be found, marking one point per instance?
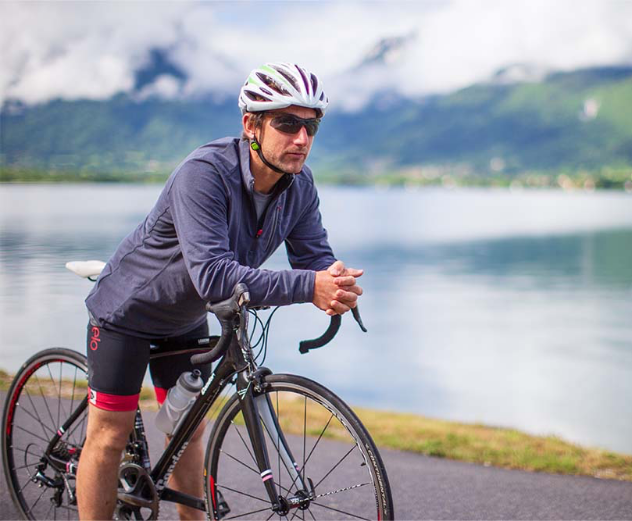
(237, 360)
(234, 362)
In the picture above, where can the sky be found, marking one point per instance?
(73, 50)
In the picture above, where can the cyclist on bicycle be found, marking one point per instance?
(224, 210)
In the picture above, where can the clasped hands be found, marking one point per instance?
(335, 289)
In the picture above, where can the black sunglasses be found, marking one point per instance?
(291, 124)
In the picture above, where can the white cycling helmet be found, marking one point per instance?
(279, 85)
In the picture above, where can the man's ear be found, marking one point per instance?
(248, 124)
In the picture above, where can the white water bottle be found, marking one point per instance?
(179, 398)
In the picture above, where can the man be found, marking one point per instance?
(224, 210)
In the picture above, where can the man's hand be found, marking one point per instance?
(335, 289)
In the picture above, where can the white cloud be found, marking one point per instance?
(92, 49)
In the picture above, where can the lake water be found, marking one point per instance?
(505, 308)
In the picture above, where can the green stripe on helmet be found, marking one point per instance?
(275, 74)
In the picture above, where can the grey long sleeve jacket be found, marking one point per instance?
(202, 237)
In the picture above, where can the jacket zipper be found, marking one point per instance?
(274, 225)
(261, 221)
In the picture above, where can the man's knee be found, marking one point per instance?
(109, 430)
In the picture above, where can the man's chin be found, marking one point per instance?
(293, 167)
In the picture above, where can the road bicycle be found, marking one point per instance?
(281, 446)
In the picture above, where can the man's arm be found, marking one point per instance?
(199, 206)
(335, 288)
(307, 245)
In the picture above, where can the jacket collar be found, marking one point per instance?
(248, 179)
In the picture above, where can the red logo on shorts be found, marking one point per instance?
(94, 340)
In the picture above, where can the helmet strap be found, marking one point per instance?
(256, 146)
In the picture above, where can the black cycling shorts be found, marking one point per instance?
(117, 364)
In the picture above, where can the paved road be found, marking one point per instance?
(430, 488)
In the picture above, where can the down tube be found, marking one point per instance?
(184, 431)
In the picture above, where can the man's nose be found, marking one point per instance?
(301, 137)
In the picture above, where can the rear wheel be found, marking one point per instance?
(338, 462)
(43, 430)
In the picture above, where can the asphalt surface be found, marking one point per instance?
(431, 488)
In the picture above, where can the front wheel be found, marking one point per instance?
(341, 472)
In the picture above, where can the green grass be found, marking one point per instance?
(474, 443)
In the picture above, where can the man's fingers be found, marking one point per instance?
(353, 272)
(337, 268)
(339, 307)
(346, 297)
(345, 281)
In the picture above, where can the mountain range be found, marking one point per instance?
(523, 119)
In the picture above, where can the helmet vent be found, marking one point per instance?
(289, 78)
(314, 83)
(305, 82)
(254, 96)
(274, 85)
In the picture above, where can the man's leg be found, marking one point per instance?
(188, 477)
(97, 476)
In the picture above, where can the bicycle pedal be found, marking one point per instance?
(222, 506)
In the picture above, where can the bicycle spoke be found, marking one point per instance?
(44, 397)
(319, 438)
(31, 433)
(39, 419)
(24, 466)
(339, 511)
(75, 427)
(314, 448)
(14, 447)
(44, 426)
(40, 497)
(72, 397)
(244, 442)
(304, 437)
(336, 465)
(241, 462)
(83, 426)
(346, 489)
(48, 513)
(50, 375)
(278, 415)
(23, 487)
(59, 395)
(242, 493)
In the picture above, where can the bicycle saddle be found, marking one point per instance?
(86, 269)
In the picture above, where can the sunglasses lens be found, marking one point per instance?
(289, 124)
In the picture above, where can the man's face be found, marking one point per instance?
(286, 151)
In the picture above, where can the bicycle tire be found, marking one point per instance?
(332, 447)
(47, 390)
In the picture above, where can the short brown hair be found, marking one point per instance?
(257, 120)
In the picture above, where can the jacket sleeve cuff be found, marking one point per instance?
(304, 289)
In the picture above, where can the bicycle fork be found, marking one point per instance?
(258, 410)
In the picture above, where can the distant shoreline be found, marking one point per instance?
(581, 181)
